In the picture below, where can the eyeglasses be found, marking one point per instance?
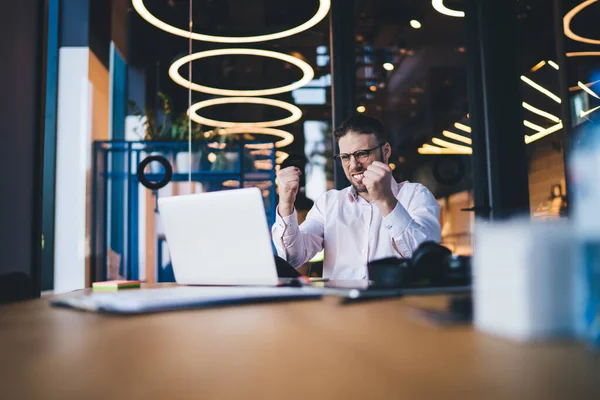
(359, 155)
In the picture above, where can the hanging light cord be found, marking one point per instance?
(191, 24)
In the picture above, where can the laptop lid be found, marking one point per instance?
(219, 238)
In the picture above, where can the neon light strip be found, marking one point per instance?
(533, 126)
(457, 137)
(587, 90)
(462, 127)
(449, 145)
(540, 89)
(541, 113)
(545, 132)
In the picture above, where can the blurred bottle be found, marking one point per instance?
(584, 163)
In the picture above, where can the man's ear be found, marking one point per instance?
(387, 152)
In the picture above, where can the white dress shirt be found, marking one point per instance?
(353, 232)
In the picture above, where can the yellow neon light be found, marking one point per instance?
(304, 67)
(449, 145)
(295, 111)
(583, 54)
(588, 112)
(538, 66)
(539, 112)
(567, 23)
(457, 137)
(575, 88)
(587, 90)
(141, 9)
(462, 127)
(533, 126)
(540, 89)
(553, 65)
(545, 132)
(439, 6)
(438, 150)
(287, 137)
(280, 156)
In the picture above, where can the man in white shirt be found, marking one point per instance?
(374, 218)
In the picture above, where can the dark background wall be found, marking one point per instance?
(21, 113)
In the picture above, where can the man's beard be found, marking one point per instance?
(360, 188)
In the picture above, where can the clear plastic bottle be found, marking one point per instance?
(584, 175)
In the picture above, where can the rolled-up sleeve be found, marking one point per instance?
(420, 223)
(298, 244)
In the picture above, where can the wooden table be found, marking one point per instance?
(307, 349)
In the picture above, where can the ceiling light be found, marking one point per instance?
(439, 6)
(457, 137)
(415, 24)
(287, 137)
(575, 88)
(567, 23)
(462, 127)
(538, 66)
(541, 89)
(139, 6)
(361, 109)
(587, 90)
(392, 166)
(308, 72)
(373, 88)
(295, 111)
(553, 65)
(388, 66)
(545, 132)
(449, 145)
(539, 112)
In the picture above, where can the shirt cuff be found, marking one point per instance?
(397, 221)
(288, 225)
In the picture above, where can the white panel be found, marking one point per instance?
(72, 153)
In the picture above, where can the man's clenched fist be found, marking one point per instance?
(288, 181)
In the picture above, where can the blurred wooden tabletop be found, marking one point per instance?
(303, 349)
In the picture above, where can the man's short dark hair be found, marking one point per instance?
(361, 124)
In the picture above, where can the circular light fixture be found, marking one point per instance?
(295, 111)
(567, 23)
(361, 109)
(442, 9)
(388, 66)
(141, 9)
(304, 67)
(286, 137)
(373, 88)
(415, 24)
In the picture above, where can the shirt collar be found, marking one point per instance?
(353, 195)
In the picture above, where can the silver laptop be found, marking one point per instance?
(219, 238)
